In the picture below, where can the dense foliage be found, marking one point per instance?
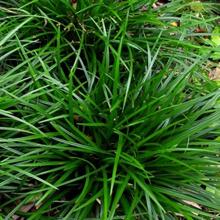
(107, 110)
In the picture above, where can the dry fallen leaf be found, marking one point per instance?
(174, 24)
(193, 204)
(16, 217)
(215, 74)
(156, 5)
(28, 207)
(199, 30)
(143, 8)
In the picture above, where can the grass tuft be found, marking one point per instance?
(107, 111)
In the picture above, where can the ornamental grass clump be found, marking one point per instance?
(107, 111)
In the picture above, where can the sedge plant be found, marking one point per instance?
(107, 111)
